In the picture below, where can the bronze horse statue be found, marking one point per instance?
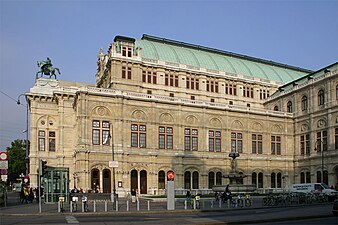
(46, 68)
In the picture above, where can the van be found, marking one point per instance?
(313, 187)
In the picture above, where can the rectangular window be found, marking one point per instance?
(236, 142)
(321, 141)
(257, 144)
(126, 72)
(276, 145)
(138, 136)
(129, 73)
(214, 140)
(51, 143)
(192, 83)
(100, 132)
(190, 139)
(165, 137)
(42, 140)
(171, 79)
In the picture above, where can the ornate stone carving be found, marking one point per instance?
(166, 118)
(237, 125)
(257, 127)
(215, 122)
(101, 111)
(191, 120)
(277, 128)
(139, 115)
(304, 127)
(321, 123)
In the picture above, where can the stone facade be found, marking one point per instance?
(150, 117)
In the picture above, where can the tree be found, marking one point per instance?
(16, 159)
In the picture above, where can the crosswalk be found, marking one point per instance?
(71, 219)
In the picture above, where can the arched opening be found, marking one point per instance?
(289, 107)
(195, 181)
(260, 180)
(161, 179)
(218, 178)
(254, 179)
(279, 180)
(187, 180)
(275, 108)
(106, 181)
(211, 179)
(95, 180)
(273, 180)
(133, 180)
(321, 98)
(302, 177)
(143, 181)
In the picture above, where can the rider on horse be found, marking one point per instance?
(47, 68)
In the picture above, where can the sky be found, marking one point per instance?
(294, 32)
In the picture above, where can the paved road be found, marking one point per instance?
(28, 214)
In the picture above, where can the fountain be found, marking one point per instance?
(236, 179)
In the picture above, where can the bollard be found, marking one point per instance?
(148, 206)
(220, 203)
(94, 205)
(212, 204)
(127, 206)
(105, 205)
(59, 206)
(117, 205)
(138, 205)
(185, 204)
(194, 203)
(82, 206)
(71, 206)
(202, 204)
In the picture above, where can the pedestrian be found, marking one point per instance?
(26, 193)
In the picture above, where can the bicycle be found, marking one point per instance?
(62, 200)
(247, 201)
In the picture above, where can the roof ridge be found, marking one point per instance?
(222, 52)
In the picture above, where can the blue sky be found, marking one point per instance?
(294, 32)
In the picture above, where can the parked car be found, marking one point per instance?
(335, 207)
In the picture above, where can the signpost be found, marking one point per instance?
(170, 190)
(3, 165)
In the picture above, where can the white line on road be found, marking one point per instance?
(71, 219)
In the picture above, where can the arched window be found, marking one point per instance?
(161, 179)
(337, 92)
(279, 180)
(254, 179)
(275, 108)
(260, 180)
(326, 177)
(218, 178)
(319, 177)
(273, 180)
(321, 98)
(211, 179)
(187, 177)
(304, 103)
(289, 107)
(195, 182)
(302, 177)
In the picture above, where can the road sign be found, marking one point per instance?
(3, 156)
(4, 164)
(3, 172)
(170, 175)
(4, 177)
(113, 164)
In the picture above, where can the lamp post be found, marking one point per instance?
(113, 165)
(320, 147)
(27, 158)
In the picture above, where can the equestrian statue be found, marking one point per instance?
(46, 68)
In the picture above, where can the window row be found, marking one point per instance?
(192, 179)
(101, 136)
(305, 177)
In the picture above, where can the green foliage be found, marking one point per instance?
(16, 159)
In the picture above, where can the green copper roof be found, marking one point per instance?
(198, 56)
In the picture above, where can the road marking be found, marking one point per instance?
(71, 219)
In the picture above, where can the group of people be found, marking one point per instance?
(224, 196)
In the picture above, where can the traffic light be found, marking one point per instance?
(43, 167)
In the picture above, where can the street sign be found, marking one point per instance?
(4, 177)
(170, 175)
(3, 156)
(3, 172)
(4, 164)
(113, 164)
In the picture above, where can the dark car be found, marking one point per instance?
(335, 207)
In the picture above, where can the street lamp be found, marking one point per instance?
(27, 158)
(113, 165)
(319, 146)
